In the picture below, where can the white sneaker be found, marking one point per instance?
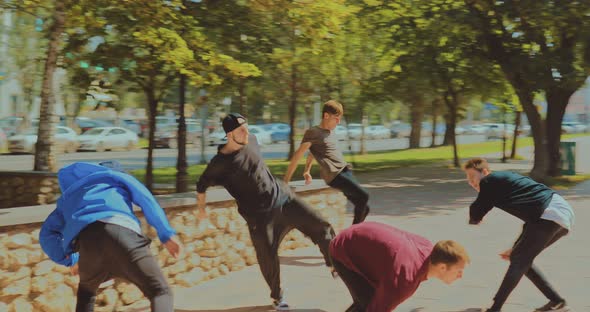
(280, 305)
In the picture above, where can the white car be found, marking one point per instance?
(355, 131)
(217, 137)
(498, 131)
(262, 136)
(341, 133)
(108, 138)
(65, 140)
(477, 129)
(572, 127)
(377, 132)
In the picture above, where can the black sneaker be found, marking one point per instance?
(554, 306)
(361, 217)
(354, 308)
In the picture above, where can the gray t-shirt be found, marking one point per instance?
(325, 150)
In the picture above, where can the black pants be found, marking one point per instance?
(361, 291)
(268, 232)
(535, 237)
(347, 183)
(108, 251)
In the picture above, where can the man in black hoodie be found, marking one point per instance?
(547, 217)
(268, 206)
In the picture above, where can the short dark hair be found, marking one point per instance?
(477, 163)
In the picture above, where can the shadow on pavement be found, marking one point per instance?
(251, 309)
(418, 191)
(302, 261)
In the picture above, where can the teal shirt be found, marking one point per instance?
(518, 195)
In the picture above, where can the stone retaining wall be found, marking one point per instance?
(29, 281)
(27, 188)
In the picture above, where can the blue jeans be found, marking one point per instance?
(347, 183)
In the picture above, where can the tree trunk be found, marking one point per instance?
(557, 100)
(416, 116)
(292, 110)
(538, 130)
(181, 163)
(363, 147)
(453, 123)
(448, 138)
(452, 101)
(44, 149)
(242, 92)
(435, 107)
(152, 112)
(517, 118)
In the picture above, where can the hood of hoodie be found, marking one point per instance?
(72, 173)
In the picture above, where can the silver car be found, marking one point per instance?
(65, 140)
(108, 138)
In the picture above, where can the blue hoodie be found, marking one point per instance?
(90, 193)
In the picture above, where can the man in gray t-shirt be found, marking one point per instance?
(322, 144)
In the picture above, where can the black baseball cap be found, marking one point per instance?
(232, 121)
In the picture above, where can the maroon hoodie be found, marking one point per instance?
(393, 261)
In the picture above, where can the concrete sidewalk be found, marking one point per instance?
(431, 201)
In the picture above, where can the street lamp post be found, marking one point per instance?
(204, 113)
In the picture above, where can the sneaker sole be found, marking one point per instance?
(564, 309)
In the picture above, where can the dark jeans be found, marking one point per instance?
(535, 237)
(360, 290)
(348, 184)
(268, 232)
(108, 251)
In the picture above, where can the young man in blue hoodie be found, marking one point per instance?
(94, 231)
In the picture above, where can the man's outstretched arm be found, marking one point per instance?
(295, 160)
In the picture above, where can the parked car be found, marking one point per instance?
(3, 140)
(427, 129)
(65, 141)
(10, 125)
(400, 130)
(341, 133)
(525, 130)
(279, 132)
(167, 135)
(498, 131)
(477, 129)
(262, 136)
(572, 127)
(108, 138)
(377, 132)
(460, 130)
(355, 130)
(217, 137)
(85, 123)
(131, 125)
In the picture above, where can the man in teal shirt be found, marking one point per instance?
(547, 217)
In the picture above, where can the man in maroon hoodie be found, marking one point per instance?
(382, 266)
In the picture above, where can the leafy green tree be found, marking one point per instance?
(541, 46)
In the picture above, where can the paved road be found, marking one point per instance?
(167, 157)
(431, 201)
